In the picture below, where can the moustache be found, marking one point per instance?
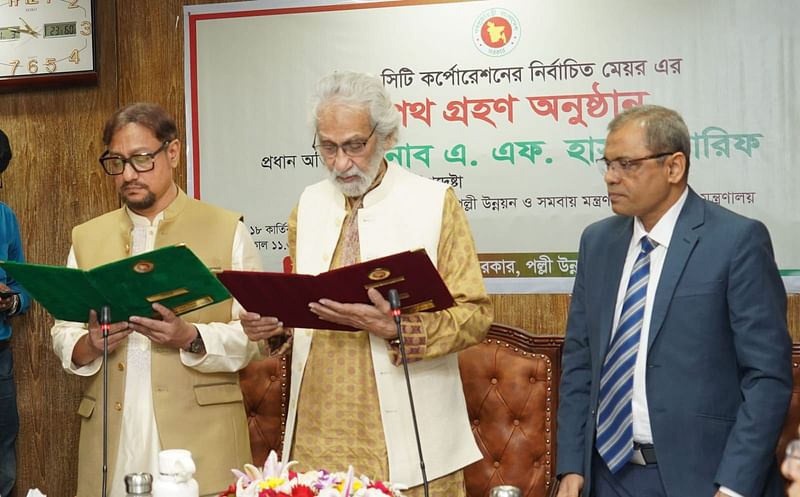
(347, 174)
(135, 184)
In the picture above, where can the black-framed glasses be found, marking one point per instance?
(141, 162)
(351, 148)
(625, 166)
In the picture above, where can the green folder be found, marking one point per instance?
(172, 276)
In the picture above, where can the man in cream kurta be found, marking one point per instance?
(348, 402)
(173, 382)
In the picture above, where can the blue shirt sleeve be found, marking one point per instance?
(11, 250)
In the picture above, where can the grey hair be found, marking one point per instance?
(664, 128)
(362, 91)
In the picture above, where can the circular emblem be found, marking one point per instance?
(143, 266)
(379, 274)
(496, 32)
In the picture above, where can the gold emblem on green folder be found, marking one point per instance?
(165, 295)
(192, 305)
(172, 276)
(142, 267)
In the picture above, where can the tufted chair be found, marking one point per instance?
(793, 416)
(511, 387)
(265, 389)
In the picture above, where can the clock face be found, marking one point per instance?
(46, 39)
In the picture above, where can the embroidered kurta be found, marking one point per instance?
(339, 420)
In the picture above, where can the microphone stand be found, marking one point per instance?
(105, 323)
(394, 302)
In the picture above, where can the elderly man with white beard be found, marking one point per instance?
(348, 401)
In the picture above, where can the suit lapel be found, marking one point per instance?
(684, 239)
(620, 239)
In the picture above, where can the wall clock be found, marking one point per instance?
(47, 42)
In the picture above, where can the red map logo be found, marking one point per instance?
(496, 32)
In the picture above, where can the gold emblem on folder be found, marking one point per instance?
(379, 274)
(385, 282)
(168, 294)
(143, 267)
(192, 305)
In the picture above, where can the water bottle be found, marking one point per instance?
(175, 475)
(138, 485)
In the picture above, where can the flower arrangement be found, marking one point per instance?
(276, 479)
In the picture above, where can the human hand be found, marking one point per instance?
(170, 330)
(267, 328)
(90, 347)
(375, 318)
(117, 332)
(570, 485)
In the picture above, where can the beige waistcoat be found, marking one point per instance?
(202, 412)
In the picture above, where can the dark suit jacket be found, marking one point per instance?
(719, 353)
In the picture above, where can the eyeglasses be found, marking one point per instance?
(625, 166)
(351, 148)
(141, 163)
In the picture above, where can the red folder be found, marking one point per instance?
(286, 296)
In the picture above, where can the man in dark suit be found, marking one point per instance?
(677, 359)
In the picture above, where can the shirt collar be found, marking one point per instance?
(139, 220)
(662, 231)
(170, 212)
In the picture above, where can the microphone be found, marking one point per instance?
(105, 325)
(394, 303)
(105, 320)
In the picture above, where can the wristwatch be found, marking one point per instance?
(197, 345)
(11, 311)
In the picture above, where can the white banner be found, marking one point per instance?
(507, 101)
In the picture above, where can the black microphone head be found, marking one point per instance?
(105, 315)
(394, 299)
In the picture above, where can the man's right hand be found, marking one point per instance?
(570, 485)
(90, 347)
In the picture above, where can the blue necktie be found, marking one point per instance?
(615, 414)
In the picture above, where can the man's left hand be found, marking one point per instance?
(171, 330)
(375, 318)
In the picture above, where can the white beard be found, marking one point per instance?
(358, 187)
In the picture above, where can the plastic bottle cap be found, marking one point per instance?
(176, 462)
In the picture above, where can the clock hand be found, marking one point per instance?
(28, 29)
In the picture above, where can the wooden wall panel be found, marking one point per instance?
(55, 182)
(151, 62)
(541, 314)
(547, 314)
